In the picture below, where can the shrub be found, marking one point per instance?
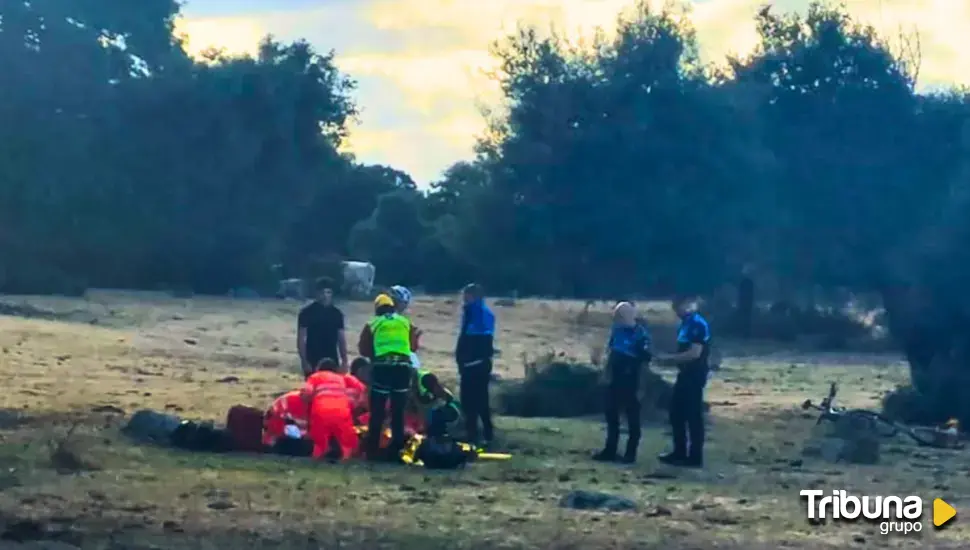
(559, 387)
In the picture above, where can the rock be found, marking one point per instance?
(111, 409)
(222, 505)
(191, 341)
(592, 500)
(228, 380)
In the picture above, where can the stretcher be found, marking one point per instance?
(474, 453)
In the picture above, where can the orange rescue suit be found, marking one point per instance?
(333, 398)
(287, 408)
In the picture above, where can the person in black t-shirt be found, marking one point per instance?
(320, 330)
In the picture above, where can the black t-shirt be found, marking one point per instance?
(695, 330)
(322, 324)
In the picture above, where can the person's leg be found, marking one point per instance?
(678, 422)
(694, 417)
(346, 437)
(375, 424)
(484, 403)
(436, 423)
(632, 409)
(612, 425)
(399, 399)
(469, 404)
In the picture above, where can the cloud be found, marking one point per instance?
(422, 64)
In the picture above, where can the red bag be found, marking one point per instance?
(245, 424)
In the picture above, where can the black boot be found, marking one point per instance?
(694, 458)
(673, 458)
(606, 455)
(630, 456)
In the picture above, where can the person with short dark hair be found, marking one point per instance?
(320, 330)
(474, 353)
(687, 401)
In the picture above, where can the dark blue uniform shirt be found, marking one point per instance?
(695, 330)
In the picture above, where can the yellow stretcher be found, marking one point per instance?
(407, 454)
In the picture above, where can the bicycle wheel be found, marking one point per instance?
(879, 424)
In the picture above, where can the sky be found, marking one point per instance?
(422, 65)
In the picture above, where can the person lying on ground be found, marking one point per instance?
(629, 350)
(332, 409)
(474, 353)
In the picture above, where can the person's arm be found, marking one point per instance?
(301, 331)
(461, 345)
(342, 343)
(436, 389)
(698, 334)
(415, 338)
(365, 343)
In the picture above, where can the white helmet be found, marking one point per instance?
(401, 294)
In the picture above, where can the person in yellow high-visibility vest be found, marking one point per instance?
(390, 375)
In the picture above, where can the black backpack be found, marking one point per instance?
(202, 437)
(443, 454)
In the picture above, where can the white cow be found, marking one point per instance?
(292, 288)
(358, 278)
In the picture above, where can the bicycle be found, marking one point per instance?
(880, 424)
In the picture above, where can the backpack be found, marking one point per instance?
(201, 437)
(443, 454)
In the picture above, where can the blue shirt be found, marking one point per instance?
(476, 339)
(477, 319)
(695, 330)
(631, 341)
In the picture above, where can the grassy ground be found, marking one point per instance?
(198, 357)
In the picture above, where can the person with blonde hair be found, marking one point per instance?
(629, 350)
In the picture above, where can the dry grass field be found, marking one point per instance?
(80, 362)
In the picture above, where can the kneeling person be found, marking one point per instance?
(286, 419)
(330, 395)
(441, 410)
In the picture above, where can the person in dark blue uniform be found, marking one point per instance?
(629, 351)
(474, 353)
(687, 402)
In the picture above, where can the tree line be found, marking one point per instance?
(623, 165)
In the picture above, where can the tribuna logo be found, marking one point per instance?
(894, 514)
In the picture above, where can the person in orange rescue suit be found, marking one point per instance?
(287, 409)
(332, 407)
(390, 379)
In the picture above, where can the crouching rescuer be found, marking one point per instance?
(390, 375)
(331, 398)
(629, 351)
(442, 411)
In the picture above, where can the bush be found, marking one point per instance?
(830, 328)
(559, 387)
